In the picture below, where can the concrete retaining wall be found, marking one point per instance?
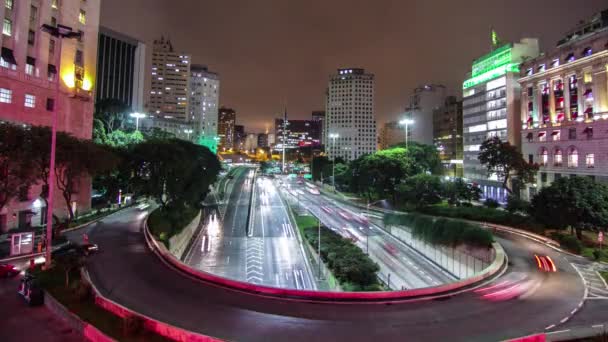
(324, 296)
(89, 332)
(179, 242)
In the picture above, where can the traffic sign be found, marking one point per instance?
(600, 237)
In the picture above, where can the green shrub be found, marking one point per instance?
(166, 222)
(516, 204)
(354, 269)
(569, 242)
(491, 203)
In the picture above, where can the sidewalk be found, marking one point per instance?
(23, 323)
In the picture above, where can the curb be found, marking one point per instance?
(325, 296)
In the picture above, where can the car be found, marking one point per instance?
(89, 248)
(545, 263)
(8, 270)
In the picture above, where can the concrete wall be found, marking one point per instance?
(179, 242)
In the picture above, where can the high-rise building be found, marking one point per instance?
(263, 140)
(251, 141)
(319, 115)
(225, 127)
(204, 104)
(491, 108)
(39, 73)
(121, 63)
(239, 137)
(298, 133)
(391, 133)
(169, 92)
(447, 133)
(350, 125)
(564, 107)
(423, 101)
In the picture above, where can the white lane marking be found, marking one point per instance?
(597, 326)
(228, 259)
(564, 319)
(559, 331)
(550, 327)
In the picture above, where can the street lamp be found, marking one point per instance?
(60, 32)
(188, 132)
(333, 137)
(137, 116)
(406, 123)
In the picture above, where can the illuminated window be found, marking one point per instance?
(82, 17)
(544, 157)
(54, 4)
(573, 157)
(30, 101)
(587, 78)
(555, 135)
(7, 28)
(8, 4)
(6, 95)
(33, 13)
(590, 160)
(558, 158)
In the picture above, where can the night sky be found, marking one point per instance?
(269, 52)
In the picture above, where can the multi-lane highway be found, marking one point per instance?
(405, 268)
(128, 273)
(266, 251)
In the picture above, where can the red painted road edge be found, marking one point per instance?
(323, 296)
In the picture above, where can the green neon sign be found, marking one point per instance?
(493, 60)
(209, 142)
(489, 75)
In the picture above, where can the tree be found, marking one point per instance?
(505, 161)
(421, 190)
(458, 191)
(16, 168)
(113, 113)
(425, 158)
(77, 158)
(576, 202)
(319, 165)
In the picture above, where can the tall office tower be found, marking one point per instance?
(121, 63)
(239, 137)
(204, 104)
(391, 133)
(423, 101)
(319, 115)
(298, 133)
(263, 140)
(491, 108)
(564, 107)
(447, 133)
(350, 125)
(38, 74)
(225, 127)
(169, 92)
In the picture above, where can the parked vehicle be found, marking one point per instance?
(31, 291)
(8, 270)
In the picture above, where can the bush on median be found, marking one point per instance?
(169, 221)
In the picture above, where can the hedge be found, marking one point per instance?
(169, 221)
(442, 231)
(354, 269)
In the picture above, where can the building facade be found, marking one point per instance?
(319, 115)
(173, 128)
(263, 140)
(447, 135)
(204, 104)
(298, 133)
(391, 133)
(239, 137)
(121, 63)
(491, 108)
(39, 74)
(170, 88)
(564, 109)
(423, 101)
(350, 125)
(225, 127)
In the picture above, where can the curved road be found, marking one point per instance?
(127, 272)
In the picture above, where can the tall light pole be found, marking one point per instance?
(137, 116)
(188, 132)
(333, 137)
(406, 123)
(60, 32)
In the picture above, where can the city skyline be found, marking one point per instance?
(246, 54)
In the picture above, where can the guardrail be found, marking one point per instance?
(326, 296)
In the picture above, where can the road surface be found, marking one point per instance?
(128, 273)
(407, 268)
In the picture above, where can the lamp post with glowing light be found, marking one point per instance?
(333, 137)
(188, 132)
(59, 32)
(137, 116)
(406, 123)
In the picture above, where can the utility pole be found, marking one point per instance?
(284, 138)
(319, 247)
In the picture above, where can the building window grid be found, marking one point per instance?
(6, 95)
(30, 101)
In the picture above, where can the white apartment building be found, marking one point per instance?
(169, 92)
(39, 73)
(350, 118)
(204, 103)
(564, 109)
(424, 100)
(491, 108)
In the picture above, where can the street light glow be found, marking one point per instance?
(406, 122)
(137, 116)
